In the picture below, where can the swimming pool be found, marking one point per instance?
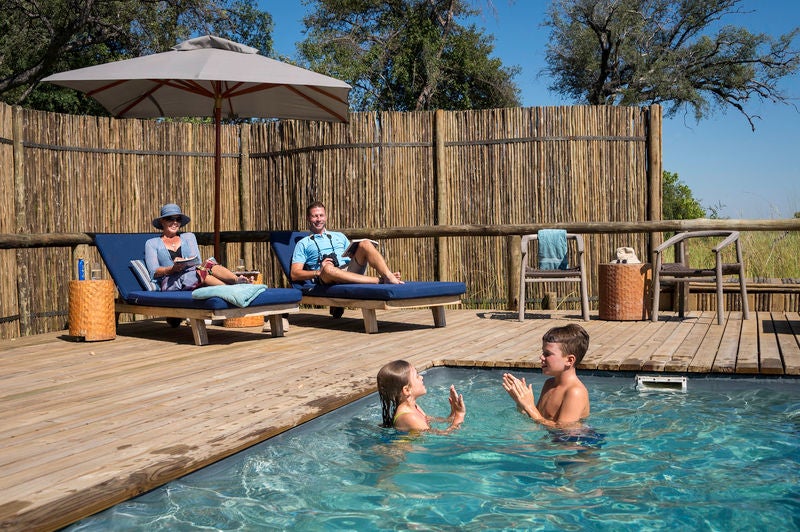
(724, 456)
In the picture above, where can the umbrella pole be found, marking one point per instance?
(217, 171)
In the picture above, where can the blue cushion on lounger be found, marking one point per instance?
(283, 243)
(387, 292)
(183, 299)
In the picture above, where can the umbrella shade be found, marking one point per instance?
(187, 80)
(210, 76)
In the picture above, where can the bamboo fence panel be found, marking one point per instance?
(9, 308)
(500, 166)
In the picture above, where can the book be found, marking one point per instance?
(184, 259)
(351, 249)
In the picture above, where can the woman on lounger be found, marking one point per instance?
(173, 259)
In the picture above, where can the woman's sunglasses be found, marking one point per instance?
(172, 218)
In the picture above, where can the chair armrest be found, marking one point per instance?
(578, 240)
(733, 237)
(675, 239)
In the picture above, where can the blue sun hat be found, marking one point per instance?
(170, 209)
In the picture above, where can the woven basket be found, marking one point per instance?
(91, 310)
(623, 291)
(247, 321)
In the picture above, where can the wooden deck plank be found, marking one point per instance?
(790, 348)
(769, 349)
(682, 357)
(725, 361)
(747, 358)
(87, 425)
(652, 338)
(707, 350)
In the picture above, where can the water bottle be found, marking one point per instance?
(81, 270)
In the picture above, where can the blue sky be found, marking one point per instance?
(750, 174)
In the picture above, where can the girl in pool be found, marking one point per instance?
(399, 386)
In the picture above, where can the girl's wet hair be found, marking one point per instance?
(391, 379)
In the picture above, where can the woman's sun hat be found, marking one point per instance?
(170, 209)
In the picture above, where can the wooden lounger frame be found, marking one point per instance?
(197, 316)
(370, 306)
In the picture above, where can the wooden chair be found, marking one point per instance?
(681, 273)
(530, 273)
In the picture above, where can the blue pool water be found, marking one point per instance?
(724, 456)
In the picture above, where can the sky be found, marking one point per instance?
(738, 172)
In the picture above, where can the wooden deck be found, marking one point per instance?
(87, 425)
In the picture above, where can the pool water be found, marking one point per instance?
(724, 456)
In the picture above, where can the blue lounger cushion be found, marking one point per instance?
(183, 299)
(283, 243)
(117, 251)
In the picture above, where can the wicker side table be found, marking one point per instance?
(91, 310)
(247, 321)
(624, 291)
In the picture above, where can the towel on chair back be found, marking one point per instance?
(240, 295)
(552, 249)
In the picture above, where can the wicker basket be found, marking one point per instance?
(247, 321)
(91, 310)
(623, 291)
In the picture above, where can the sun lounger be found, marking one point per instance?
(119, 249)
(368, 297)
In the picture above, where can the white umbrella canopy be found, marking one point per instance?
(210, 76)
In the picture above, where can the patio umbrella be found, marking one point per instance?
(210, 76)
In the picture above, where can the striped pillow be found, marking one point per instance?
(143, 275)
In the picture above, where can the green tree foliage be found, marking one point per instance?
(677, 201)
(407, 55)
(39, 38)
(672, 52)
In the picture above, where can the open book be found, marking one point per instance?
(351, 249)
(179, 260)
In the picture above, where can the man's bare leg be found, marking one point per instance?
(368, 254)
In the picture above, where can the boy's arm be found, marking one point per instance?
(522, 394)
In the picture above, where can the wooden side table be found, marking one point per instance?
(91, 310)
(624, 291)
(246, 321)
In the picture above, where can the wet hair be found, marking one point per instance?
(314, 205)
(391, 379)
(573, 338)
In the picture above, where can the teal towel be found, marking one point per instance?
(552, 249)
(240, 295)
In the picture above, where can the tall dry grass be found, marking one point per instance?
(773, 254)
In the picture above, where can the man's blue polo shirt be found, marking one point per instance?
(309, 250)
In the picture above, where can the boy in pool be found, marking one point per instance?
(564, 400)
(399, 386)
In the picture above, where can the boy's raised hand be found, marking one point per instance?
(520, 391)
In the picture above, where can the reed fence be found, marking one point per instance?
(542, 165)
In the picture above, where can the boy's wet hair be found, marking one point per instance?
(573, 338)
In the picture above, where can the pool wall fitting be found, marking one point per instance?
(648, 383)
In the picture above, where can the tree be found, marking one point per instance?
(48, 36)
(407, 55)
(671, 52)
(677, 201)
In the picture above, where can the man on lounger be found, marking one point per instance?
(327, 257)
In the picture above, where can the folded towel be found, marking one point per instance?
(240, 295)
(552, 249)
